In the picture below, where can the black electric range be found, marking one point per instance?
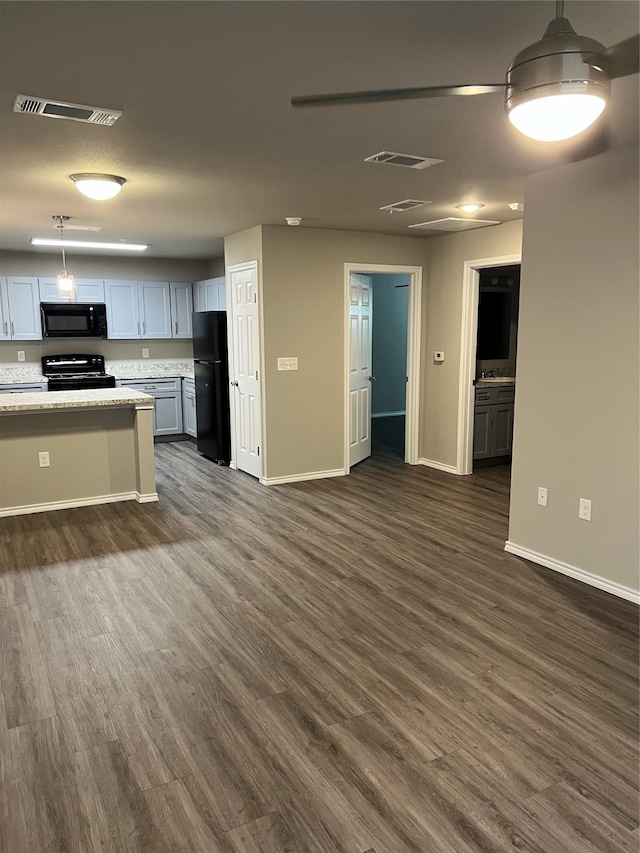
(76, 372)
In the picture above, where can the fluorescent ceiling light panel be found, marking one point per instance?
(89, 244)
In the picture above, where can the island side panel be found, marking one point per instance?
(145, 461)
(93, 458)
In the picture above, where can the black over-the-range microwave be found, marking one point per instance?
(73, 320)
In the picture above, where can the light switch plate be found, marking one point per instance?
(289, 363)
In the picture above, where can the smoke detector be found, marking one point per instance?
(293, 220)
(517, 205)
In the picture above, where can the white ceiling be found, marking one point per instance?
(210, 145)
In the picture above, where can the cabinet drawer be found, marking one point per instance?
(504, 395)
(150, 386)
(23, 388)
(484, 395)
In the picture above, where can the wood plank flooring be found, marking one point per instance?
(351, 665)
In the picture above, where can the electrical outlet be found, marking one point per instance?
(20, 355)
(543, 495)
(145, 352)
(438, 356)
(585, 509)
(290, 363)
(43, 459)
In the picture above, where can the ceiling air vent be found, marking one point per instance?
(411, 161)
(61, 109)
(401, 206)
(454, 224)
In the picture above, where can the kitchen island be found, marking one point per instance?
(66, 449)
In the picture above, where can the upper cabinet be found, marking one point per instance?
(154, 303)
(123, 322)
(152, 310)
(210, 295)
(87, 290)
(181, 309)
(20, 309)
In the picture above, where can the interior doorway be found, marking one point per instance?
(469, 363)
(396, 399)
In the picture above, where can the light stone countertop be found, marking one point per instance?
(493, 382)
(93, 398)
(148, 369)
(20, 375)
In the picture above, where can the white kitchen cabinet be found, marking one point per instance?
(154, 305)
(87, 290)
(210, 294)
(167, 413)
(24, 388)
(181, 309)
(20, 309)
(123, 320)
(189, 421)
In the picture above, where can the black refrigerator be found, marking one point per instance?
(211, 368)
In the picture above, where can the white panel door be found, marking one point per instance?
(123, 320)
(5, 328)
(360, 377)
(154, 302)
(245, 342)
(181, 309)
(24, 308)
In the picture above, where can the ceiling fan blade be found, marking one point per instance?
(380, 95)
(620, 59)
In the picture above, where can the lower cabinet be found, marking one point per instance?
(167, 413)
(493, 423)
(23, 388)
(189, 421)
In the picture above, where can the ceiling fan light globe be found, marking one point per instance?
(98, 187)
(552, 118)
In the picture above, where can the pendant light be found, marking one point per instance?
(66, 282)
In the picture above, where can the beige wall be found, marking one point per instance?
(303, 304)
(91, 266)
(442, 326)
(576, 420)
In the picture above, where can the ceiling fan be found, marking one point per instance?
(554, 89)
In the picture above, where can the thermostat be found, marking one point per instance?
(438, 356)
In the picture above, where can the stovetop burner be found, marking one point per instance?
(76, 372)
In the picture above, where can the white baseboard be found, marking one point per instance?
(387, 414)
(614, 588)
(98, 499)
(440, 466)
(298, 478)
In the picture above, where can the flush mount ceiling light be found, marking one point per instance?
(293, 220)
(90, 244)
(98, 187)
(65, 281)
(469, 208)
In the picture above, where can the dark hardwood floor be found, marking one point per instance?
(351, 665)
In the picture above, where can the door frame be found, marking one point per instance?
(414, 327)
(468, 343)
(231, 343)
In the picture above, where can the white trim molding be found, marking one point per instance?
(468, 337)
(589, 578)
(299, 478)
(414, 326)
(26, 509)
(439, 466)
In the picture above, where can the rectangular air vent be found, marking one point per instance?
(454, 224)
(60, 109)
(401, 206)
(411, 161)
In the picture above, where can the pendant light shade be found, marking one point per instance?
(65, 281)
(554, 92)
(96, 186)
